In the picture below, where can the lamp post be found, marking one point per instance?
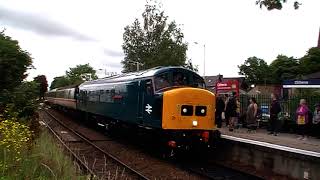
(204, 59)
(138, 64)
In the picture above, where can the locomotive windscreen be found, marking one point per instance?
(174, 79)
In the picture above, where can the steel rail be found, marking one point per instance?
(141, 176)
(82, 164)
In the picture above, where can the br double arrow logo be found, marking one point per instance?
(148, 109)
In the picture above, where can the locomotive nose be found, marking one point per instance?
(188, 108)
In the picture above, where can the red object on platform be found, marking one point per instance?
(228, 86)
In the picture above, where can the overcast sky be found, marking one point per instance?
(61, 34)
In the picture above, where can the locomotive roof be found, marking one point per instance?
(137, 75)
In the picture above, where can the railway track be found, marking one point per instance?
(91, 158)
(199, 170)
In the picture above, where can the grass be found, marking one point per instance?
(44, 160)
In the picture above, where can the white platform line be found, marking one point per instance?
(273, 146)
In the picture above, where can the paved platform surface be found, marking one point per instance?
(283, 139)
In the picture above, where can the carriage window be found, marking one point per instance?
(161, 81)
(180, 79)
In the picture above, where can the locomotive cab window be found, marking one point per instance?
(180, 79)
(162, 81)
(149, 87)
(198, 82)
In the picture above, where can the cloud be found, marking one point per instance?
(113, 53)
(39, 24)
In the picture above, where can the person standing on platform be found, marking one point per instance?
(231, 110)
(316, 120)
(219, 110)
(226, 110)
(238, 112)
(275, 109)
(302, 114)
(251, 115)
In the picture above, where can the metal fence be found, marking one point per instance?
(288, 105)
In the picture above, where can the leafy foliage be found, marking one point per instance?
(255, 70)
(75, 75)
(59, 81)
(14, 62)
(15, 94)
(190, 66)
(22, 100)
(43, 85)
(275, 4)
(14, 139)
(155, 42)
(284, 68)
(310, 63)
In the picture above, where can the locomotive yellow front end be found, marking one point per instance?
(189, 114)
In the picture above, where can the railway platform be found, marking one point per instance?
(289, 142)
(271, 157)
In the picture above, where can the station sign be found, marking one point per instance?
(227, 87)
(312, 83)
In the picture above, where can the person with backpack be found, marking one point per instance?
(275, 109)
(251, 116)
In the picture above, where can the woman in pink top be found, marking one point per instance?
(302, 118)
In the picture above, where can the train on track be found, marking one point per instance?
(171, 101)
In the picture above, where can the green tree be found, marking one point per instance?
(75, 75)
(190, 66)
(310, 63)
(43, 85)
(80, 72)
(284, 68)
(59, 81)
(255, 70)
(155, 42)
(23, 98)
(14, 63)
(275, 4)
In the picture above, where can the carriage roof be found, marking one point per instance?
(137, 75)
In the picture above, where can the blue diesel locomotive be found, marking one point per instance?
(171, 101)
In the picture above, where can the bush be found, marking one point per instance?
(14, 140)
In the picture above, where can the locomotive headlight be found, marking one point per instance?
(194, 123)
(186, 110)
(201, 110)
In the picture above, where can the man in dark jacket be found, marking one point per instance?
(275, 109)
(219, 109)
(231, 110)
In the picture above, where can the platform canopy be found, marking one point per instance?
(312, 83)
